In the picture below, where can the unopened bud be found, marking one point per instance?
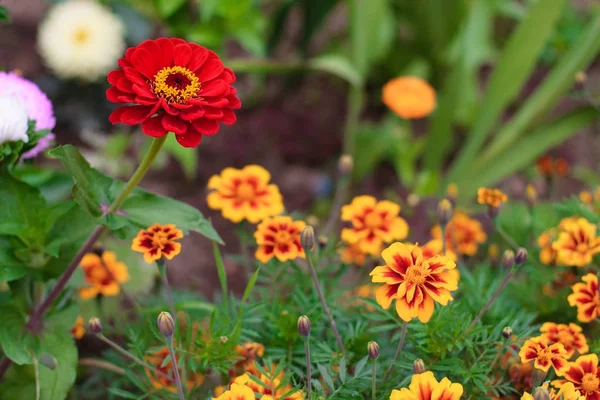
(373, 350)
(307, 238)
(508, 259)
(345, 164)
(580, 77)
(304, 326)
(541, 393)
(95, 325)
(223, 339)
(166, 325)
(444, 211)
(48, 361)
(413, 199)
(520, 256)
(419, 366)
(507, 332)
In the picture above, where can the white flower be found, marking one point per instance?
(81, 39)
(13, 120)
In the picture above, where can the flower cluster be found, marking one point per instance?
(279, 237)
(426, 387)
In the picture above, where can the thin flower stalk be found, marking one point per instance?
(308, 371)
(374, 381)
(398, 350)
(490, 301)
(175, 368)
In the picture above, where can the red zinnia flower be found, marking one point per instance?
(171, 85)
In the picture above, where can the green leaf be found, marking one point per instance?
(515, 220)
(222, 275)
(11, 268)
(55, 384)
(15, 345)
(166, 8)
(22, 208)
(3, 13)
(339, 66)
(517, 61)
(122, 393)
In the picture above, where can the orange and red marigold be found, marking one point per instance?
(415, 282)
(158, 241)
(373, 224)
(170, 85)
(103, 274)
(491, 197)
(584, 374)
(585, 298)
(157, 360)
(244, 194)
(543, 355)
(463, 234)
(569, 336)
(78, 329)
(279, 237)
(425, 387)
(577, 243)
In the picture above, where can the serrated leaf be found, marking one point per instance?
(360, 366)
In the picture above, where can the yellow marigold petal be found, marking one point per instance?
(258, 172)
(425, 309)
(384, 295)
(214, 182)
(404, 394)
(447, 390)
(112, 289)
(119, 271)
(88, 292)
(392, 209)
(90, 260)
(423, 384)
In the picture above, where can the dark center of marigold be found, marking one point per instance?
(415, 275)
(245, 191)
(99, 275)
(160, 239)
(590, 383)
(373, 220)
(176, 84)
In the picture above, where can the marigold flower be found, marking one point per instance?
(276, 387)
(249, 352)
(566, 392)
(157, 360)
(373, 223)
(584, 374)
(171, 85)
(585, 298)
(585, 197)
(463, 234)
(409, 96)
(237, 392)
(352, 254)
(569, 336)
(544, 355)
(157, 241)
(547, 253)
(279, 237)
(435, 247)
(545, 165)
(561, 166)
(413, 281)
(103, 274)
(244, 194)
(491, 197)
(577, 243)
(425, 387)
(78, 329)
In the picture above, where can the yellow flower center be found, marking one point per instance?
(416, 275)
(373, 220)
(590, 383)
(544, 356)
(176, 84)
(582, 248)
(283, 237)
(245, 191)
(81, 35)
(160, 239)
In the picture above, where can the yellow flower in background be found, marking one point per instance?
(373, 224)
(280, 388)
(158, 241)
(543, 355)
(279, 237)
(415, 282)
(547, 253)
(585, 298)
(79, 328)
(245, 194)
(425, 387)
(103, 274)
(237, 392)
(452, 191)
(491, 197)
(409, 96)
(585, 197)
(463, 234)
(577, 243)
(352, 254)
(569, 336)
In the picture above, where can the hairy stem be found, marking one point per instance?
(398, 350)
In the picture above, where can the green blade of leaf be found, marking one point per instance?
(222, 275)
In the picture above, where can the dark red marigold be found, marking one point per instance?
(171, 85)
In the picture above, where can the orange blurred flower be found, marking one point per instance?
(491, 197)
(585, 197)
(78, 329)
(249, 351)
(409, 96)
(425, 387)
(452, 191)
(237, 392)
(584, 374)
(157, 360)
(373, 223)
(463, 234)
(244, 194)
(274, 387)
(566, 392)
(585, 298)
(414, 282)
(157, 241)
(435, 247)
(549, 166)
(103, 274)
(543, 355)
(561, 166)
(352, 254)
(547, 253)
(279, 237)
(569, 336)
(577, 243)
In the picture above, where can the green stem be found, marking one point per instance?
(175, 368)
(355, 102)
(308, 373)
(398, 350)
(139, 173)
(374, 380)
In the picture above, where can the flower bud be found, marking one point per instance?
(323, 241)
(444, 211)
(223, 339)
(304, 326)
(166, 325)
(541, 393)
(452, 192)
(373, 350)
(520, 256)
(95, 325)
(345, 164)
(413, 199)
(307, 238)
(507, 332)
(48, 360)
(419, 366)
(508, 259)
